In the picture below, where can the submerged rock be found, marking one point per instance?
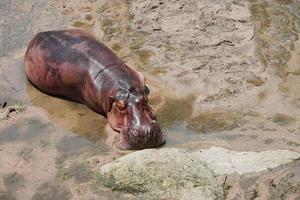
(168, 173)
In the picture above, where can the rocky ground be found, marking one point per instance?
(224, 82)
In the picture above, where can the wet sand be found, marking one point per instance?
(220, 73)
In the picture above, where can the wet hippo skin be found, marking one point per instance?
(72, 64)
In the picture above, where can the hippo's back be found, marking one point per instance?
(61, 62)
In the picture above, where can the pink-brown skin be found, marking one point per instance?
(74, 65)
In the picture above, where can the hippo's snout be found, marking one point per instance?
(143, 137)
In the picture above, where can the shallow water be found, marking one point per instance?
(73, 116)
(73, 139)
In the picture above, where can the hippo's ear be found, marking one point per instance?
(141, 77)
(120, 104)
(120, 96)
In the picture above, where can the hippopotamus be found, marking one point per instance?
(72, 64)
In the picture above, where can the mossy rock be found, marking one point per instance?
(168, 173)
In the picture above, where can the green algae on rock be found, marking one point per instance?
(170, 174)
(173, 173)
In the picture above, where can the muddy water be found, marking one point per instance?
(72, 116)
(194, 111)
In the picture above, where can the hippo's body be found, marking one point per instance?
(74, 65)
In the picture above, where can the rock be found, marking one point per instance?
(282, 182)
(223, 161)
(173, 173)
(168, 173)
(10, 112)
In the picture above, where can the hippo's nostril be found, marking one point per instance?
(135, 132)
(153, 121)
(149, 130)
(153, 135)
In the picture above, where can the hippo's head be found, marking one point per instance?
(131, 115)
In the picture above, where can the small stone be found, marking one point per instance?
(256, 82)
(156, 28)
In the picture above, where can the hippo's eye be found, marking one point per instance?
(146, 90)
(120, 104)
(122, 94)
